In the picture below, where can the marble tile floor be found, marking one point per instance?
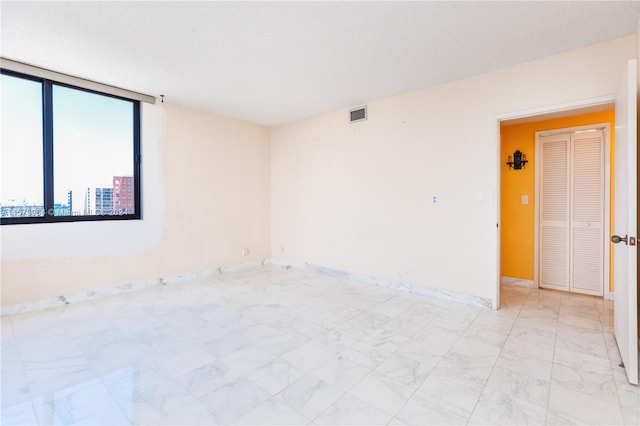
(280, 346)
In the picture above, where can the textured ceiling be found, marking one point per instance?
(274, 62)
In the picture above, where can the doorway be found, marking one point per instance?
(518, 255)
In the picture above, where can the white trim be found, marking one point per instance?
(60, 301)
(35, 71)
(567, 106)
(606, 267)
(496, 295)
(574, 129)
(536, 214)
(394, 284)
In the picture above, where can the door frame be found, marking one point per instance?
(606, 218)
(576, 106)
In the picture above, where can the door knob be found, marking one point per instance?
(615, 239)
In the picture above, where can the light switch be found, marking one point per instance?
(524, 199)
(479, 197)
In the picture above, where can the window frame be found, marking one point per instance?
(48, 160)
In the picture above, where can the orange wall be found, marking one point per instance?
(517, 220)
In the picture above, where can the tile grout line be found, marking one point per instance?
(611, 367)
(394, 416)
(553, 363)
(22, 365)
(484, 386)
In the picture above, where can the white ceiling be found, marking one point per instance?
(275, 62)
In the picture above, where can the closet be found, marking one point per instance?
(571, 211)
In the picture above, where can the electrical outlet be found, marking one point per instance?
(245, 252)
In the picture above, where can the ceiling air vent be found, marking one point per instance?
(358, 114)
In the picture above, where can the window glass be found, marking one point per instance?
(21, 149)
(92, 144)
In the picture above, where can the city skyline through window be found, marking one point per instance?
(92, 143)
(89, 143)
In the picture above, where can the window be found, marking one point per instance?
(64, 152)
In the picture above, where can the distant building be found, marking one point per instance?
(87, 203)
(123, 195)
(104, 201)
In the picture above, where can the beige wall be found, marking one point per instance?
(206, 195)
(358, 197)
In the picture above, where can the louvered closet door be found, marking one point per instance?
(554, 212)
(571, 212)
(587, 192)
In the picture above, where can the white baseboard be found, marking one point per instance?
(66, 299)
(394, 284)
(58, 301)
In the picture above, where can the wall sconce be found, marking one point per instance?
(518, 161)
